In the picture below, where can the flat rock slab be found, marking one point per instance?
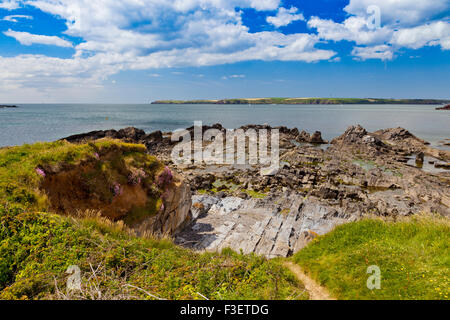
(256, 225)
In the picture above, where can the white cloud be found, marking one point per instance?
(9, 4)
(381, 52)
(404, 23)
(352, 29)
(13, 18)
(151, 34)
(234, 76)
(285, 17)
(265, 4)
(29, 39)
(437, 33)
(400, 12)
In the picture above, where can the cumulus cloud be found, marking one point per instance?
(29, 39)
(285, 17)
(14, 18)
(151, 34)
(401, 12)
(437, 33)
(352, 29)
(404, 23)
(9, 4)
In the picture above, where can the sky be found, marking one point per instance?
(138, 51)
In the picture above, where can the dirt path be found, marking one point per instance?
(316, 292)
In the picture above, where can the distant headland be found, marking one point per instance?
(301, 101)
(7, 106)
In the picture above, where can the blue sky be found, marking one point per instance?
(137, 51)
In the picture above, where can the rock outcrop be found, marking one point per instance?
(257, 226)
(276, 211)
(128, 134)
(175, 212)
(447, 107)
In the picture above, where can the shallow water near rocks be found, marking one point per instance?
(427, 166)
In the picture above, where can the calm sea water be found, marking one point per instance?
(49, 122)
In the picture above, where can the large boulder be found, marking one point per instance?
(316, 138)
(396, 134)
(131, 134)
(93, 135)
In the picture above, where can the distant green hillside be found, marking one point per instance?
(306, 101)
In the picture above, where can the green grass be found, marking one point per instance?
(413, 256)
(37, 246)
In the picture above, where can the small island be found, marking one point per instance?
(2, 106)
(303, 101)
(447, 107)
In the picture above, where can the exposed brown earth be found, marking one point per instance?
(120, 192)
(316, 291)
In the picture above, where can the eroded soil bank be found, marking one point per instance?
(123, 186)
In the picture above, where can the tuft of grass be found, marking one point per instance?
(413, 256)
(254, 194)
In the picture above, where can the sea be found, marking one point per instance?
(49, 122)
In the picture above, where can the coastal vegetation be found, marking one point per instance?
(37, 249)
(303, 101)
(413, 255)
(37, 245)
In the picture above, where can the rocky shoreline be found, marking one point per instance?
(318, 186)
